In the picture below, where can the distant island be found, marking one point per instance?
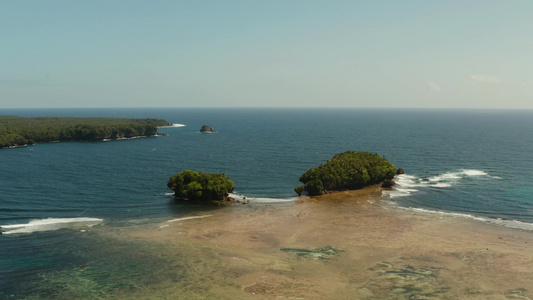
(347, 171)
(18, 131)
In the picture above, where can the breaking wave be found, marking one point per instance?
(189, 218)
(496, 221)
(49, 224)
(173, 125)
(408, 184)
(262, 200)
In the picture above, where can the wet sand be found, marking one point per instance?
(347, 245)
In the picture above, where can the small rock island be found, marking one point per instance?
(347, 171)
(207, 129)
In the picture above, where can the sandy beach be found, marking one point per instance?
(347, 245)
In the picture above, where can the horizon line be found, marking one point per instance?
(273, 107)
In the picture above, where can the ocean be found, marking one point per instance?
(471, 163)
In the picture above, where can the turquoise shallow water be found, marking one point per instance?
(475, 163)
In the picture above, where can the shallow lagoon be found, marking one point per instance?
(342, 246)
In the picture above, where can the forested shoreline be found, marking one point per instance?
(18, 131)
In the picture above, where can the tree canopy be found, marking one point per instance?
(348, 170)
(196, 185)
(15, 131)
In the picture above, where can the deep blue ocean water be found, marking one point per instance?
(476, 163)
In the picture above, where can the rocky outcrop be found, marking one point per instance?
(387, 183)
(207, 128)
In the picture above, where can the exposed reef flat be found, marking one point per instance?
(345, 245)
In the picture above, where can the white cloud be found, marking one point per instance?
(484, 78)
(434, 87)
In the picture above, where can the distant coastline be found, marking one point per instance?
(18, 131)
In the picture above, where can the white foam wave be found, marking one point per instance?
(507, 223)
(445, 176)
(407, 184)
(443, 185)
(262, 200)
(475, 173)
(398, 193)
(472, 173)
(173, 125)
(407, 180)
(408, 191)
(189, 218)
(49, 224)
(442, 213)
(451, 176)
(513, 224)
(272, 200)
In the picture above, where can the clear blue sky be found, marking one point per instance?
(268, 53)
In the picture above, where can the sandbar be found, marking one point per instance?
(346, 245)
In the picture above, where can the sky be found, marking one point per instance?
(268, 53)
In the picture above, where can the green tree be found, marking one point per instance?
(348, 170)
(196, 185)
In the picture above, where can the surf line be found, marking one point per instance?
(189, 218)
(49, 225)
